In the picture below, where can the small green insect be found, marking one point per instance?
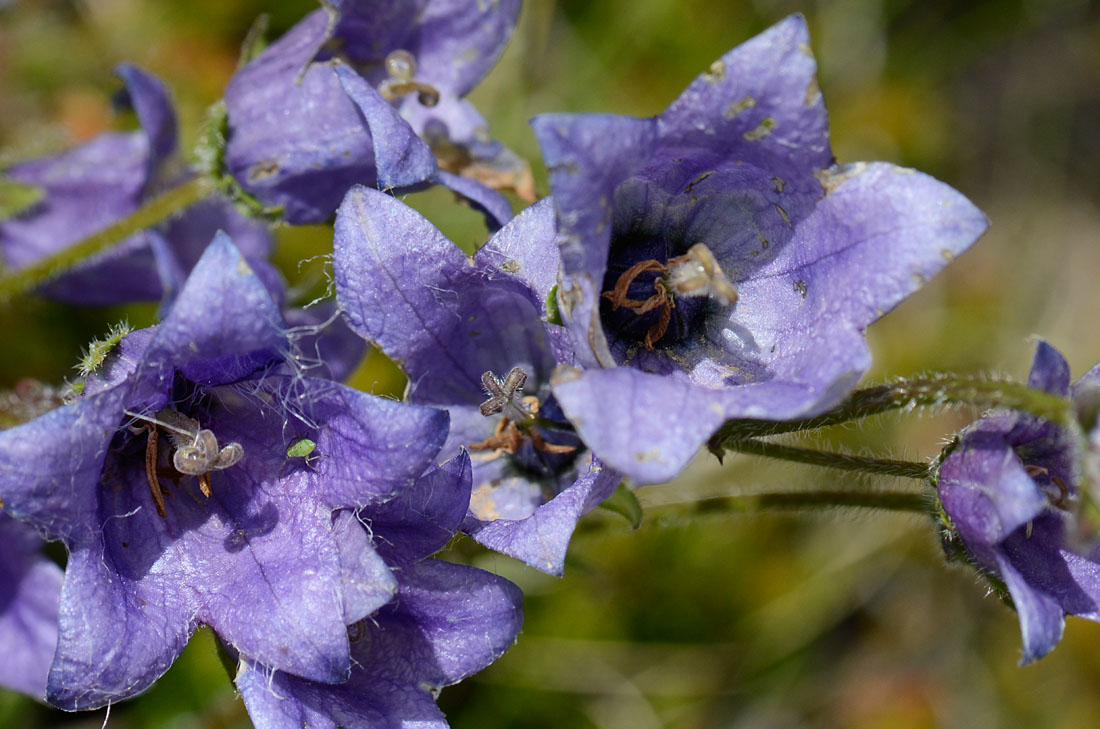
(305, 449)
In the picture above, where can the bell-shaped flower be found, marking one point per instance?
(1009, 487)
(91, 186)
(179, 483)
(371, 93)
(471, 335)
(717, 263)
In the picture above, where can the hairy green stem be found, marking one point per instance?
(789, 500)
(154, 211)
(842, 461)
(933, 390)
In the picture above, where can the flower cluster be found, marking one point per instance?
(710, 263)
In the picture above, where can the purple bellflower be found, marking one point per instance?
(170, 480)
(717, 264)
(1008, 486)
(97, 183)
(471, 336)
(446, 622)
(371, 93)
(30, 588)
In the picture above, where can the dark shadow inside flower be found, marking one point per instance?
(681, 242)
(140, 469)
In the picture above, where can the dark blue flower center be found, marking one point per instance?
(684, 315)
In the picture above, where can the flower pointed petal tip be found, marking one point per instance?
(466, 616)
(153, 105)
(588, 155)
(527, 248)
(462, 41)
(880, 232)
(759, 103)
(494, 206)
(407, 288)
(400, 156)
(224, 323)
(1042, 617)
(448, 622)
(109, 648)
(542, 539)
(1049, 370)
(49, 467)
(402, 442)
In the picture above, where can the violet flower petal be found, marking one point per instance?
(112, 644)
(490, 203)
(448, 622)
(984, 486)
(526, 249)
(541, 537)
(224, 324)
(420, 520)
(400, 157)
(50, 467)
(443, 337)
(295, 138)
(30, 588)
(152, 103)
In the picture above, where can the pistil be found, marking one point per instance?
(519, 416)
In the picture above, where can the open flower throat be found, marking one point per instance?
(693, 275)
(519, 422)
(192, 451)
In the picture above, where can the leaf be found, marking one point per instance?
(625, 503)
(15, 197)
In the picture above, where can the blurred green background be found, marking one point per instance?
(715, 619)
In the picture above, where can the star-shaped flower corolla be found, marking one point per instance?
(90, 186)
(1009, 486)
(170, 481)
(302, 129)
(30, 587)
(446, 622)
(718, 265)
(459, 328)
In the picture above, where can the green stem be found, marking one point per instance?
(149, 214)
(842, 461)
(888, 500)
(933, 390)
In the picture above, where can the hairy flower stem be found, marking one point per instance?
(842, 461)
(156, 210)
(790, 500)
(942, 389)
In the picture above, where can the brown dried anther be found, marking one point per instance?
(695, 273)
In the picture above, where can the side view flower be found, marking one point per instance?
(471, 337)
(101, 181)
(329, 105)
(717, 263)
(168, 481)
(1009, 487)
